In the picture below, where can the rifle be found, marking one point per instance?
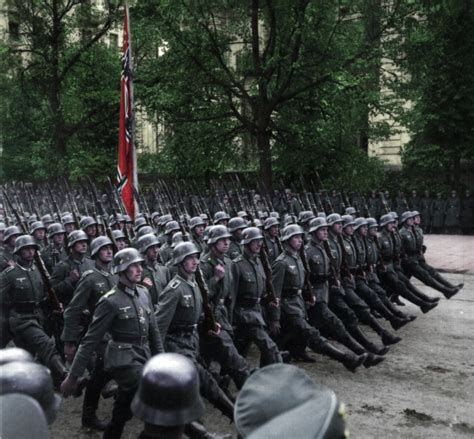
(58, 212)
(72, 205)
(53, 299)
(102, 214)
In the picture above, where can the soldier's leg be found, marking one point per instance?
(373, 300)
(222, 349)
(98, 379)
(320, 345)
(395, 284)
(213, 393)
(128, 380)
(437, 275)
(5, 334)
(362, 312)
(383, 296)
(421, 274)
(269, 352)
(242, 339)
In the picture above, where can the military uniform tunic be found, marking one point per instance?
(53, 255)
(235, 250)
(272, 248)
(63, 286)
(159, 276)
(23, 293)
(288, 280)
(249, 283)
(7, 259)
(91, 287)
(178, 312)
(221, 348)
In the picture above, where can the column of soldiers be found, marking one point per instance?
(285, 273)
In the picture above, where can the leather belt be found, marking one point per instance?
(132, 340)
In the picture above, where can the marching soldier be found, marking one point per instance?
(216, 268)
(419, 238)
(288, 279)
(89, 226)
(68, 223)
(7, 257)
(320, 314)
(92, 286)
(178, 313)
(155, 276)
(236, 226)
(126, 314)
(358, 234)
(166, 252)
(249, 289)
(67, 273)
(196, 227)
(411, 263)
(38, 231)
(374, 205)
(120, 239)
(345, 252)
(23, 292)
(389, 276)
(55, 251)
(271, 228)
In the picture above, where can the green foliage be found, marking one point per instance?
(440, 60)
(61, 91)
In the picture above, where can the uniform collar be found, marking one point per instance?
(190, 282)
(129, 291)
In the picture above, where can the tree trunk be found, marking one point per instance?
(264, 156)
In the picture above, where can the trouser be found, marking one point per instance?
(30, 335)
(373, 299)
(246, 334)
(128, 379)
(222, 349)
(328, 323)
(398, 284)
(97, 380)
(415, 269)
(296, 327)
(434, 273)
(5, 334)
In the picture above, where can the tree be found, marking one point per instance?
(439, 57)
(256, 78)
(62, 87)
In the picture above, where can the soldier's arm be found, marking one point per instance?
(167, 303)
(154, 336)
(278, 278)
(5, 286)
(234, 289)
(101, 322)
(72, 314)
(61, 282)
(212, 283)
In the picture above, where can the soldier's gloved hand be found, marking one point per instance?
(147, 282)
(219, 272)
(70, 351)
(68, 386)
(74, 276)
(275, 327)
(312, 300)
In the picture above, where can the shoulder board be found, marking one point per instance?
(110, 293)
(238, 259)
(174, 283)
(87, 273)
(10, 268)
(280, 257)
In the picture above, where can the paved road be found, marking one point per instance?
(424, 389)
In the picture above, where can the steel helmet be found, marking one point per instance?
(124, 258)
(168, 393)
(76, 236)
(317, 223)
(216, 233)
(290, 231)
(183, 250)
(98, 243)
(251, 234)
(24, 241)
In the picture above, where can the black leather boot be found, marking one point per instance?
(359, 335)
(349, 360)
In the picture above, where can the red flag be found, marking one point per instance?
(126, 169)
